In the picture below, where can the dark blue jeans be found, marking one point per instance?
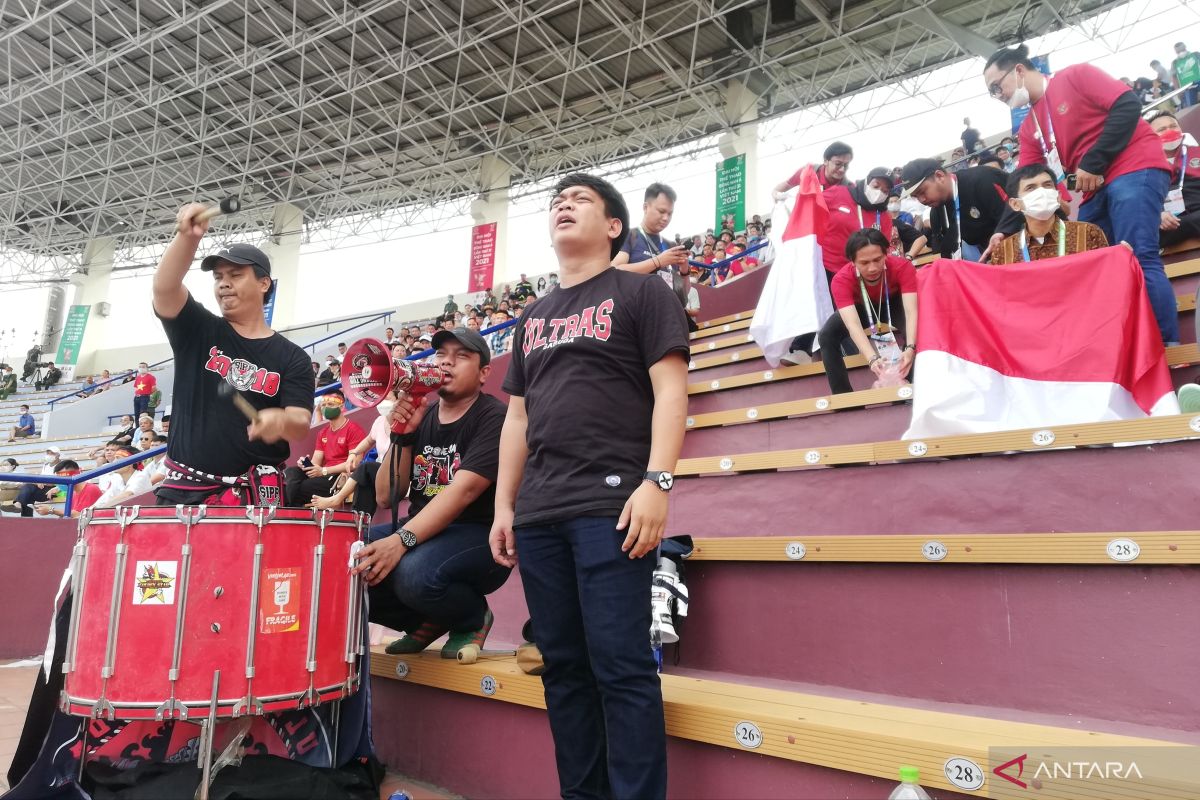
(590, 605)
(1129, 210)
(444, 580)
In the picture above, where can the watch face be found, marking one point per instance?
(665, 481)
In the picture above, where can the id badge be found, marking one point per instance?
(1174, 204)
(886, 347)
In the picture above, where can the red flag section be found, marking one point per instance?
(1056, 341)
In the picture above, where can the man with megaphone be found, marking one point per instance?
(431, 571)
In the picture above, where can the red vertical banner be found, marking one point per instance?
(483, 257)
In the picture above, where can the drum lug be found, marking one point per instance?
(321, 516)
(190, 515)
(85, 519)
(309, 699)
(127, 514)
(171, 709)
(250, 704)
(260, 515)
(103, 710)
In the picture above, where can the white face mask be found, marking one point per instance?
(49, 457)
(1040, 203)
(1020, 98)
(874, 196)
(385, 407)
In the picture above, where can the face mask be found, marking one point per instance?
(1020, 98)
(385, 407)
(893, 208)
(331, 412)
(1040, 203)
(49, 457)
(1171, 140)
(874, 196)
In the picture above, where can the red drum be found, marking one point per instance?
(165, 597)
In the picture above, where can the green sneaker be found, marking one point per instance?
(458, 641)
(418, 640)
(1189, 398)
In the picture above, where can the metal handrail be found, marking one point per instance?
(722, 266)
(71, 481)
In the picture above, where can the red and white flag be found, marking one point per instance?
(795, 297)
(1051, 342)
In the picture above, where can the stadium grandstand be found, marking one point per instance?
(921, 529)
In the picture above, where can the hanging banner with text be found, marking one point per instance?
(483, 257)
(731, 194)
(72, 336)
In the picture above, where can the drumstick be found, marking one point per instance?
(241, 403)
(230, 205)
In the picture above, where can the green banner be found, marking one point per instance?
(72, 336)
(731, 194)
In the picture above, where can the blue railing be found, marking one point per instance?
(721, 267)
(71, 481)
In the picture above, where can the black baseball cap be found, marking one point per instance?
(879, 172)
(246, 255)
(917, 171)
(467, 338)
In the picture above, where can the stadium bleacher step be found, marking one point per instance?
(791, 723)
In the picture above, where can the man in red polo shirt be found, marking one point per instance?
(329, 458)
(1087, 125)
(831, 172)
(851, 208)
(876, 297)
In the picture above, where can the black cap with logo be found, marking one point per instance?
(469, 339)
(243, 254)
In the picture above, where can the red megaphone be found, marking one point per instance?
(369, 372)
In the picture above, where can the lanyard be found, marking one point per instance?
(873, 314)
(1062, 241)
(957, 216)
(1182, 165)
(1050, 145)
(878, 219)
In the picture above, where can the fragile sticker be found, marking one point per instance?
(154, 583)
(279, 600)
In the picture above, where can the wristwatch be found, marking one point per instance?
(663, 480)
(408, 538)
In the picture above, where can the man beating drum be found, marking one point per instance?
(214, 459)
(213, 456)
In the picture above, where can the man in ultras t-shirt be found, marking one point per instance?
(598, 385)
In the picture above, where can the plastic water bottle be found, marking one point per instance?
(909, 788)
(403, 795)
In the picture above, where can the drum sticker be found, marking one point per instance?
(154, 583)
(279, 600)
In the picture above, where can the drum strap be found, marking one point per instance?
(262, 483)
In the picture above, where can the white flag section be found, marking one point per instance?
(795, 298)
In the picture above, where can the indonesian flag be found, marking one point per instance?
(795, 297)
(1051, 342)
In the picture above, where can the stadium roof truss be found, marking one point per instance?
(114, 112)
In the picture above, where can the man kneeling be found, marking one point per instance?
(876, 297)
(433, 574)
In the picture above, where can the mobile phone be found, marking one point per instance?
(305, 462)
(1071, 182)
